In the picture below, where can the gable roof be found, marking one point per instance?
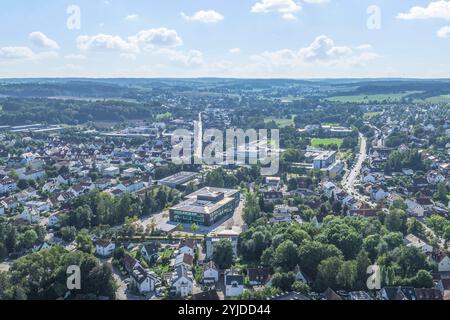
(260, 275)
(330, 294)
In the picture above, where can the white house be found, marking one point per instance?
(414, 208)
(329, 189)
(41, 246)
(7, 185)
(111, 171)
(53, 220)
(210, 273)
(144, 280)
(104, 248)
(184, 259)
(187, 246)
(413, 241)
(234, 284)
(30, 215)
(131, 172)
(32, 174)
(182, 281)
(434, 177)
(131, 186)
(379, 193)
(444, 264)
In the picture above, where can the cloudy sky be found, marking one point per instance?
(225, 38)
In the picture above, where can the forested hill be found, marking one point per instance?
(18, 111)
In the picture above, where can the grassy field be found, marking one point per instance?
(326, 142)
(439, 99)
(282, 123)
(390, 97)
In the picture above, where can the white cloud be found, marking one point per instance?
(364, 47)
(40, 40)
(444, 32)
(103, 42)
(192, 58)
(147, 40)
(435, 9)
(16, 53)
(235, 50)
(321, 51)
(160, 37)
(205, 16)
(323, 48)
(131, 17)
(74, 56)
(286, 8)
(23, 54)
(316, 1)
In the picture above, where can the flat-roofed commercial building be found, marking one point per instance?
(178, 179)
(205, 206)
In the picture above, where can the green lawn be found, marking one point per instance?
(364, 98)
(326, 142)
(439, 99)
(281, 122)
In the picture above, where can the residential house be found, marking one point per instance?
(102, 183)
(7, 185)
(144, 280)
(9, 203)
(414, 208)
(444, 287)
(53, 220)
(444, 264)
(434, 177)
(131, 186)
(210, 273)
(270, 197)
(413, 241)
(30, 215)
(258, 276)
(182, 281)
(184, 259)
(329, 189)
(111, 171)
(398, 293)
(150, 251)
(41, 246)
(187, 246)
(428, 294)
(301, 276)
(35, 174)
(104, 247)
(234, 284)
(378, 193)
(215, 236)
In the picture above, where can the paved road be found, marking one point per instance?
(348, 183)
(350, 179)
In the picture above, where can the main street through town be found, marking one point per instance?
(350, 178)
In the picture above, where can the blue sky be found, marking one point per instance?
(225, 38)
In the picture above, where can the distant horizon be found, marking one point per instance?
(225, 78)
